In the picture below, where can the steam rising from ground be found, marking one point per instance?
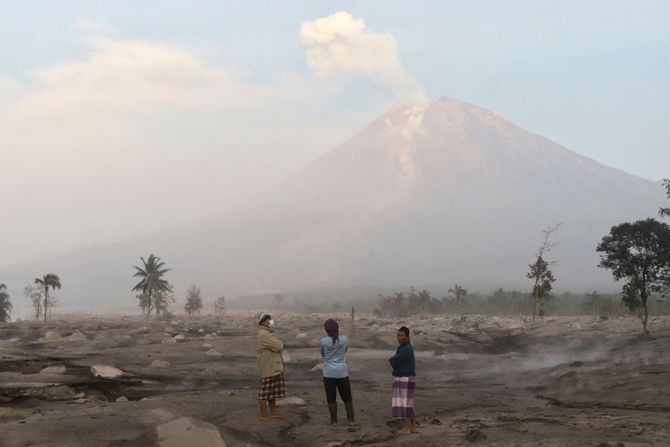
(340, 44)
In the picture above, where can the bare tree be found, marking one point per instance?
(279, 299)
(219, 305)
(459, 292)
(540, 273)
(663, 212)
(5, 304)
(35, 294)
(193, 301)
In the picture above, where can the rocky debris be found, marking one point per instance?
(301, 335)
(51, 336)
(206, 345)
(76, 336)
(474, 435)
(160, 364)
(317, 367)
(289, 401)
(126, 341)
(189, 432)
(122, 399)
(286, 357)
(158, 416)
(435, 421)
(60, 369)
(106, 371)
(179, 337)
(168, 341)
(213, 353)
(96, 395)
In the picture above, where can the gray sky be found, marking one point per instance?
(119, 118)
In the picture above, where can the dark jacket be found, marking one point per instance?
(403, 361)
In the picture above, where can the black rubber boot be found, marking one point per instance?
(351, 420)
(332, 409)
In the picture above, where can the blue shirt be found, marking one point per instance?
(334, 357)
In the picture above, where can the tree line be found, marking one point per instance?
(636, 253)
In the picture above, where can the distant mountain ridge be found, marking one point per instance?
(445, 193)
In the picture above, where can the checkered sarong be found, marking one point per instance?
(402, 404)
(272, 388)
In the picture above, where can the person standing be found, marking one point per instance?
(404, 371)
(335, 372)
(271, 366)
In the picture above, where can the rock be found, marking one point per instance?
(13, 340)
(179, 337)
(168, 341)
(286, 401)
(53, 370)
(96, 395)
(301, 335)
(51, 335)
(212, 352)
(60, 392)
(206, 345)
(189, 432)
(106, 371)
(126, 341)
(159, 416)
(76, 336)
(435, 421)
(317, 367)
(160, 364)
(474, 435)
(201, 330)
(122, 399)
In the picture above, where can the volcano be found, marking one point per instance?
(443, 193)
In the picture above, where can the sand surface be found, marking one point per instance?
(482, 380)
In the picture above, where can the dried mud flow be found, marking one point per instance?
(482, 380)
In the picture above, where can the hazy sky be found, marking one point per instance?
(117, 118)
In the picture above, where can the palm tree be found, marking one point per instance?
(49, 280)
(5, 304)
(152, 283)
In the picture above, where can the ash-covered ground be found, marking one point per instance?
(485, 381)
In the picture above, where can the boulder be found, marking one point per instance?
(214, 353)
(106, 371)
(301, 335)
(189, 432)
(122, 399)
(53, 370)
(179, 337)
(158, 416)
(286, 401)
(51, 336)
(206, 345)
(168, 341)
(76, 336)
(126, 341)
(160, 364)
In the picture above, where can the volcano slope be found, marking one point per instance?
(483, 380)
